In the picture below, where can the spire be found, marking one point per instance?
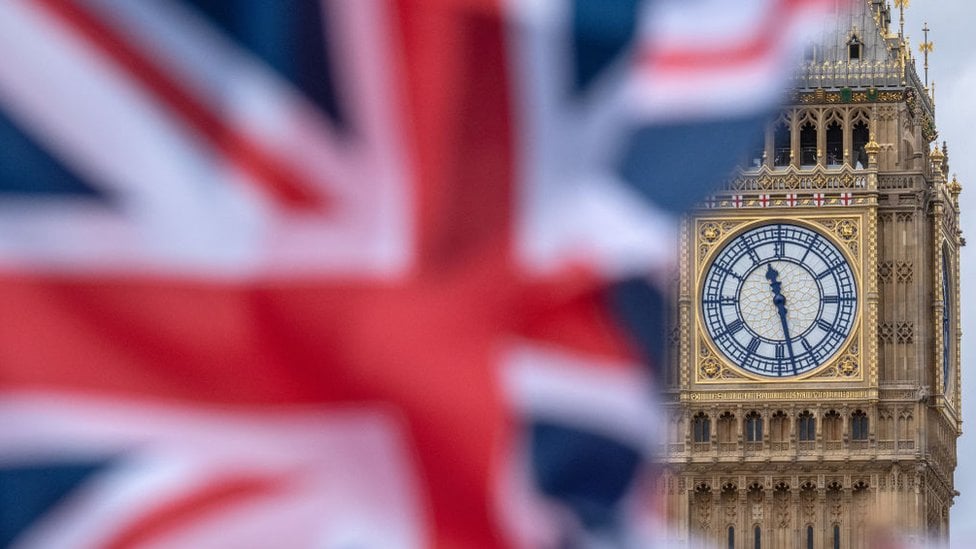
(926, 47)
(902, 4)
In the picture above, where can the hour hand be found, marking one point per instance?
(780, 301)
(774, 284)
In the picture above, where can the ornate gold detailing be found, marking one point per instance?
(793, 179)
(848, 366)
(710, 368)
(845, 229)
(779, 395)
(710, 232)
(867, 95)
(872, 148)
(954, 188)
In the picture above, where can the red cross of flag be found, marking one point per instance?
(352, 273)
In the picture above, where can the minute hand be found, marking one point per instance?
(780, 301)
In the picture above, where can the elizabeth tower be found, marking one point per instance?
(813, 389)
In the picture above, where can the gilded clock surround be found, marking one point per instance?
(843, 231)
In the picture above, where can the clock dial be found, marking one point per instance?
(779, 300)
(946, 315)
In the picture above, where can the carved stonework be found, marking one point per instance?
(886, 271)
(808, 500)
(781, 504)
(703, 506)
(905, 332)
(886, 333)
(730, 502)
(904, 272)
(835, 502)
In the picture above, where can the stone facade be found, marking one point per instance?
(866, 442)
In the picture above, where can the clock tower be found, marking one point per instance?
(812, 390)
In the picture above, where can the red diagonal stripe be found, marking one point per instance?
(768, 33)
(272, 174)
(179, 513)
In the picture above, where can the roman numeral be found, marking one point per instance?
(828, 327)
(828, 272)
(735, 326)
(727, 271)
(781, 351)
(753, 345)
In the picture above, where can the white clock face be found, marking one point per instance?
(779, 300)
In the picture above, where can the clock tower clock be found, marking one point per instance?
(778, 300)
(812, 387)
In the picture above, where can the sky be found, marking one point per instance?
(952, 66)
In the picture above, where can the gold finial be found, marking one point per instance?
(926, 47)
(902, 4)
(937, 159)
(954, 187)
(872, 149)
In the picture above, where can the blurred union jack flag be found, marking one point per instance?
(349, 273)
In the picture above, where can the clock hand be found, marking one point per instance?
(780, 301)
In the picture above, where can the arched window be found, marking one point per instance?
(859, 137)
(859, 425)
(809, 536)
(726, 427)
(757, 153)
(780, 428)
(886, 425)
(906, 427)
(835, 143)
(731, 537)
(754, 427)
(854, 48)
(757, 536)
(702, 428)
(807, 426)
(782, 147)
(836, 536)
(808, 143)
(832, 426)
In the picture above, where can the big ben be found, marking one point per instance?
(813, 386)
